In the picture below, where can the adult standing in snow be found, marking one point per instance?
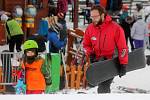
(54, 35)
(138, 32)
(101, 38)
(126, 22)
(62, 8)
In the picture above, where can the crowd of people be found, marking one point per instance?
(102, 36)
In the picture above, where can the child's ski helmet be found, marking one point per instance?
(30, 44)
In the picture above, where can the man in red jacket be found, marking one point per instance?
(101, 38)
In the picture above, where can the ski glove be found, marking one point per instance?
(92, 58)
(122, 70)
(148, 59)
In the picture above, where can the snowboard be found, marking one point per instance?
(103, 70)
(55, 73)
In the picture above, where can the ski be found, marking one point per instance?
(132, 90)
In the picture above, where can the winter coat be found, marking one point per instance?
(139, 29)
(126, 26)
(13, 28)
(62, 6)
(139, 13)
(34, 78)
(103, 39)
(55, 43)
(123, 16)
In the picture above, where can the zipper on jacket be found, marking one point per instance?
(99, 43)
(104, 40)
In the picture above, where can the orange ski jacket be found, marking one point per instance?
(34, 78)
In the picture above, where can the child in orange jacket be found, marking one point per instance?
(36, 74)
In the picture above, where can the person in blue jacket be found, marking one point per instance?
(55, 42)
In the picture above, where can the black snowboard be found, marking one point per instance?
(103, 70)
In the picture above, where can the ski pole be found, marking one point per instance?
(64, 69)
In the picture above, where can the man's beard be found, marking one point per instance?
(97, 23)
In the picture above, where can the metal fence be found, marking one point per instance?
(9, 63)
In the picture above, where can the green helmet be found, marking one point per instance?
(29, 44)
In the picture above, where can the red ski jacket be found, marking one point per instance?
(103, 39)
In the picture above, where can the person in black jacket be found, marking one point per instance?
(126, 23)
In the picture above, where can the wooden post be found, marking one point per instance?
(2, 87)
(69, 45)
(75, 18)
(78, 77)
(73, 69)
(84, 74)
(68, 70)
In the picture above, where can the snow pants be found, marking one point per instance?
(138, 43)
(15, 40)
(104, 87)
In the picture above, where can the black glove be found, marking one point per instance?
(148, 59)
(122, 70)
(92, 58)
